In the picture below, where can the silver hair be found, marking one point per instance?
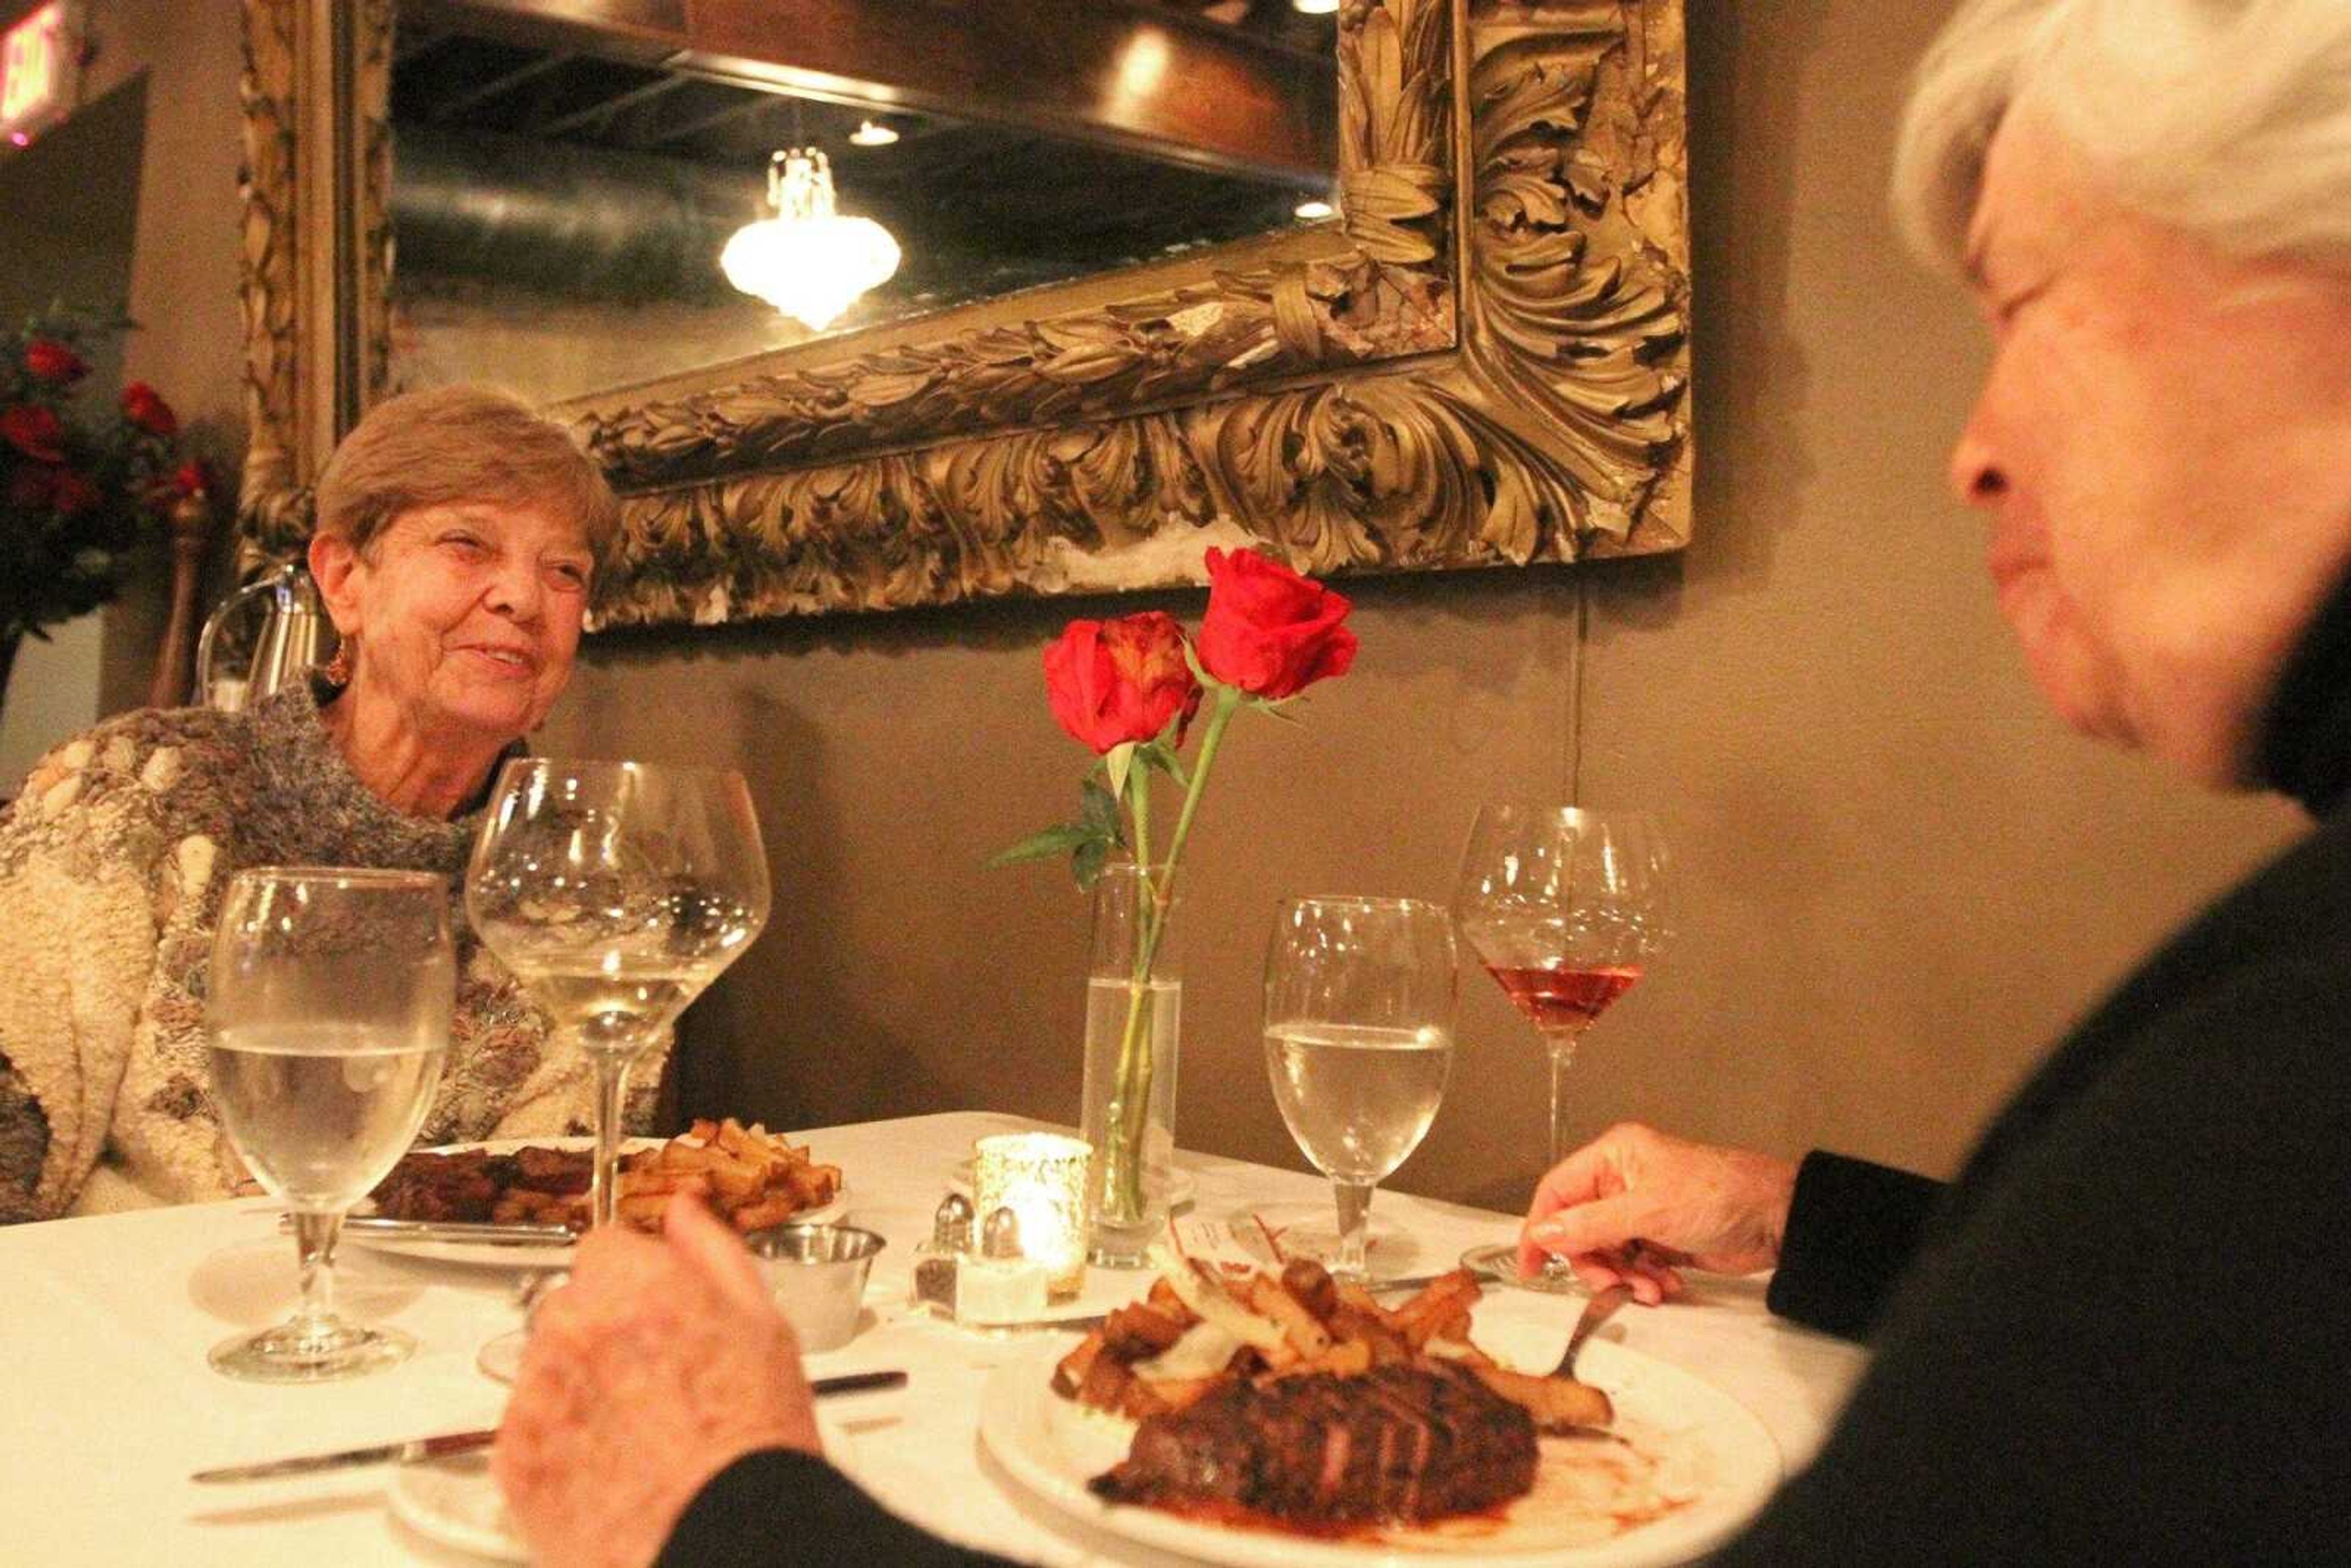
(2228, 119)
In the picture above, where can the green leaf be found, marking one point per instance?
(1056, 840)
(1161, 758)
(1279, 710)
(1087, 865)
(1102, 815)
(1199, 673)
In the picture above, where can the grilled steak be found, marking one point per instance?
(468, 1186)
(1401, 1443)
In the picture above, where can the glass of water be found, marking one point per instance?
(1359, 1000)
(328, 1007)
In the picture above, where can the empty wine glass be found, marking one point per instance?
(328, 1006)
(1564, 908)
(1358, 1000)
(616, 892)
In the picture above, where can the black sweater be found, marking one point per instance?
(2108, 1341)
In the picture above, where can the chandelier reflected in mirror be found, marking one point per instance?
(808, 260)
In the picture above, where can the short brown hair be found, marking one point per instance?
(458, 443)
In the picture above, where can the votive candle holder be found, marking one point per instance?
(1041, 1178)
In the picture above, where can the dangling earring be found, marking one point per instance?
(338, 671)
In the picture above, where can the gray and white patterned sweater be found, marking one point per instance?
(113, 863)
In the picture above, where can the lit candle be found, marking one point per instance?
(1041, 1178)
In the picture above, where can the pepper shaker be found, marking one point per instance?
(939, 1261)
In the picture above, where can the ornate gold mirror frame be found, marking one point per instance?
(1484, 361)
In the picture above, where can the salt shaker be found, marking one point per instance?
(938, 1261)
(1000, 1286)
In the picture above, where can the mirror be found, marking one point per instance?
(1481, 360)
(559, 209)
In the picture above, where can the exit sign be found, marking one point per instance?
(40, 63)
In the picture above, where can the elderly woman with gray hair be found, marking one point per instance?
(457, 538)
(2105, 1340)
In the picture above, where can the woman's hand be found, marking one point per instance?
(659, 1364)
(1683, 1204)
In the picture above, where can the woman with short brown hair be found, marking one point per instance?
(457, 545)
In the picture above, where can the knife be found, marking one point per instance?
(466, 1442)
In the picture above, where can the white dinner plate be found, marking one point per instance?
(1692, 1466)
(453, 1501)
(529, 1254)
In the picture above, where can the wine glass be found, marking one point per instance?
(614, 891)
(1564, 908)
(328, 1007)
(1359, 999)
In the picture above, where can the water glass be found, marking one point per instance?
(328, 1006)
(1358, 1001)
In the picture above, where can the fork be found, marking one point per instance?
(1597, 1310)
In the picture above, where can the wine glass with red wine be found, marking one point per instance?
(1564, 908)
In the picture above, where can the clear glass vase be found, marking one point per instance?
(1135, 1009)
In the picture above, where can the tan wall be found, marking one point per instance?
(1899, 877)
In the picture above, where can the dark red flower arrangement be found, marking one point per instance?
(78, 486)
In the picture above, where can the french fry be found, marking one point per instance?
(1307, 1336)
(1372, 1329)
(1345, 1358)
(737, 1182)
(736, 1139)
(1557, 1404)
(1455, 1326)
(1163, 1298)
(812, 1186)
(1070, 1372)
(643, 1210)
(661, 1183)
(1139, 1332)
(1439, 1303)
(1105, 1383)
(759, 1216)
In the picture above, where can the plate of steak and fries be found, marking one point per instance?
(1256, 1420)
(527, 1199)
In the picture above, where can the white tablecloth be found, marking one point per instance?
(108, 1404)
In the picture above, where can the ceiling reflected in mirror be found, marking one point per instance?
(559, 201)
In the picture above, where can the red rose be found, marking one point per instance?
(189, 479)
(1269, 631)
(52, 361)
(33, 431)
(1110, 682)
(143, 406)
(72, 493)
